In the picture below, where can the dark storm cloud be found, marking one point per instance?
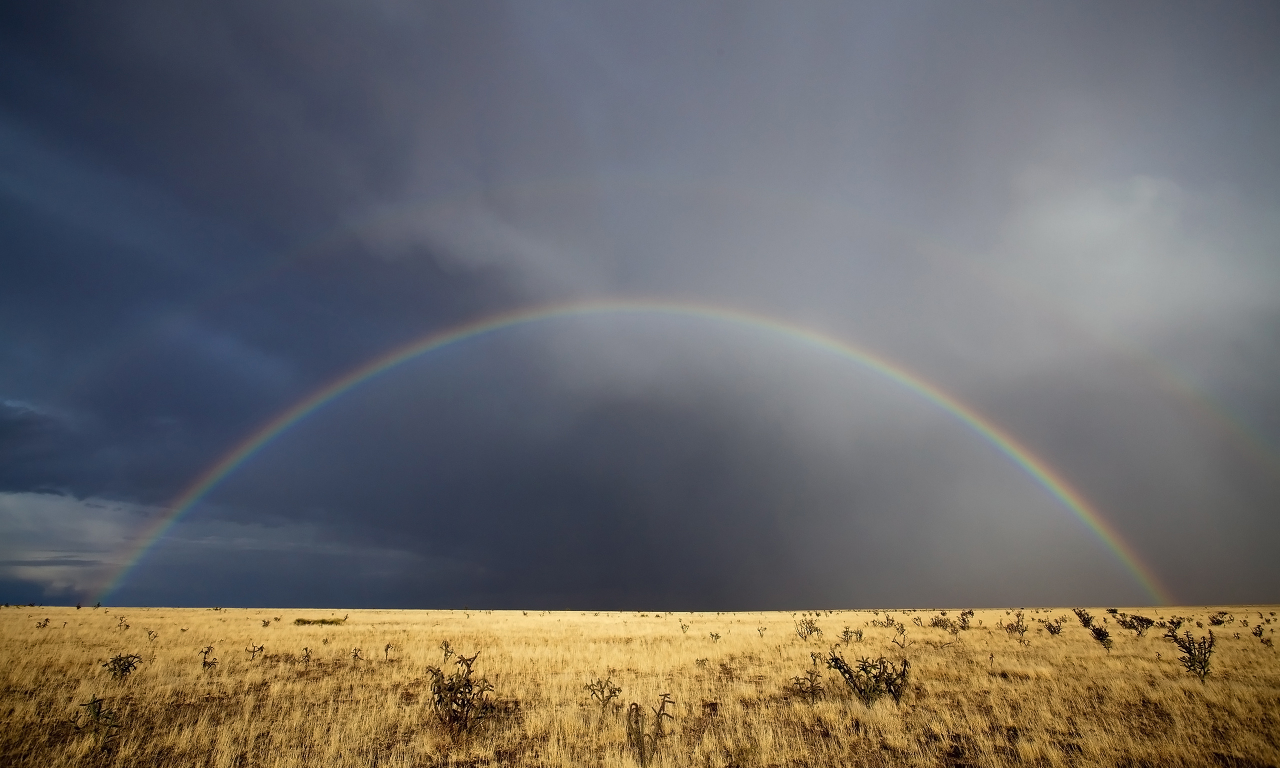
(1065, 216)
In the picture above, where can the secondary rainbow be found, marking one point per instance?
(1041, 472)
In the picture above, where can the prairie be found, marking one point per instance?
(980, 696)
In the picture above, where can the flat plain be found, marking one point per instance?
(359, 692)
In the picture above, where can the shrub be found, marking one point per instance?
(645, 743)
(849, 635)
(807, 628)
(1016, 627)
(122, 665)
(460, 699)
(1053, 625)
(808, 686)
(1220, 618)
(306, 622)
(1196, 653)
(98, 720)
(604, 692)
(206, 663)
(871, 680)
(1086, 620)
(1103, 637)
(1136, 624)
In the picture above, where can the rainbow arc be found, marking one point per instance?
(1040, 471)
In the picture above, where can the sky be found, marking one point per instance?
(1062, 220)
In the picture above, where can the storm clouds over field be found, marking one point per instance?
(1067, 218)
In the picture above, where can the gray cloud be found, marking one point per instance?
(1061, 216)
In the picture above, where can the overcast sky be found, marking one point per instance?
(1065, 216)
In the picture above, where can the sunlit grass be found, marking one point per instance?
(978, 697)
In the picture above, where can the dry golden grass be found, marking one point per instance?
(984, 700)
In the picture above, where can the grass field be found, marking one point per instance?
(974, 697)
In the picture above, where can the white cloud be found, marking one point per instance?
(63, 543)
(1138, 258)
(78, 546)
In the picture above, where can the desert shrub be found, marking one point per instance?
(1086, 620)
(122, 665)
(254, 650)
(807, 686)
(644, 742)
(850, 635)
(1135, 623)
(206, 662)
(604, 692)
(807, 628)
(98, 720)
(965, 616)
(1054, 626)
(1103, 637)
(460, 700)
(306, 622)
(1195, 653)
(1220, 618)
(871, 680)
(1016, 627)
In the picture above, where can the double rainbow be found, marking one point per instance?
(1041, 472)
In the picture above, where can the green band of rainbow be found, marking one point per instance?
(1058, 487)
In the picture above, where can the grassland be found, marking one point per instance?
(975, 697)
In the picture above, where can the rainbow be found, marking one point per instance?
(1041, 472)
